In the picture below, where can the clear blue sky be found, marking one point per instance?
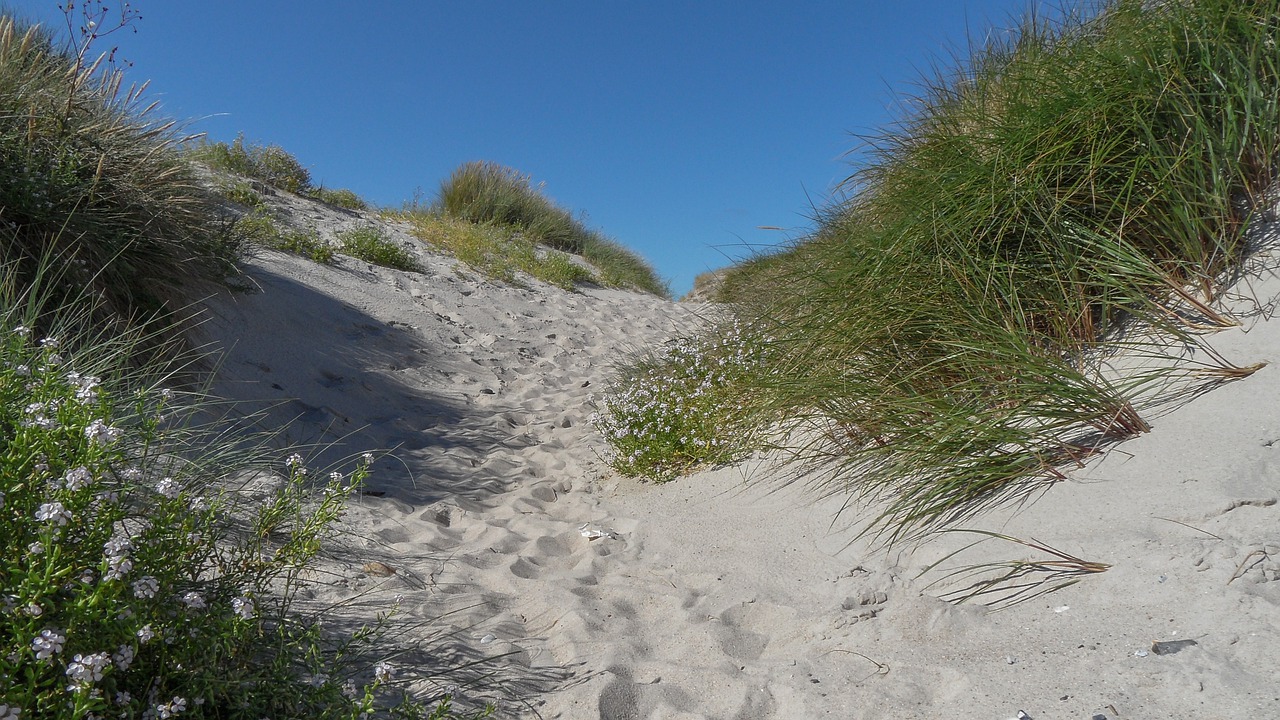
(679, 127)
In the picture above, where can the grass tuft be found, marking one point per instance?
(369, 243)
(340, 197)
(260, 228)
(270, 164)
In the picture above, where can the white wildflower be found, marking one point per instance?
(10, 712)
(243, 607)
(22, 331)
(53, 512)
(117, 545)
(34, 610)
(383, 672)
(77, 478)
(193, 600)
(48, 643)
(36, 548)
(102, 434)
(146, 587)
(124, 657)
(168, 488)
(171, 708)
(85, 670)
(145, 634)
(117, 567)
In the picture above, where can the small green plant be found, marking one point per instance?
(260, 228)
(680, 409)
(341, 197)
(370, 244)
(271, 164)
(240, 192)
(559, 269)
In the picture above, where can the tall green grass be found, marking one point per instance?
(271, 164)
(488, 193)
(93, 177)
(1067, 195)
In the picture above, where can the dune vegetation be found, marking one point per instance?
(1022, 268)
(513, 217)
(150, 558)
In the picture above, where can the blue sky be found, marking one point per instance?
(679, 128)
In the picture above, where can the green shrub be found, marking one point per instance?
(137, 579)
(488, 193)
(681, 408)
(271, 164)
(341, 197)
(943, 333)
(559, 269)
(370, 244)
(90, 176)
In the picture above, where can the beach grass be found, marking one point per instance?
(370, 243)
(140, 576)
(1071, 193)
(486, 193)
(94, 178)
(270, 164)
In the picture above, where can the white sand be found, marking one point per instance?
(729, 594)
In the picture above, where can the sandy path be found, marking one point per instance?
(713, 597)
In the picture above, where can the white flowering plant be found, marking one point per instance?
(681, 408)
(136, 581)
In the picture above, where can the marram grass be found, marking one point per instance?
(1071, 196)
(486, 193)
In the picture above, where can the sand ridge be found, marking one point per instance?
(731, 594)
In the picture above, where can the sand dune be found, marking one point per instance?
(731, 594)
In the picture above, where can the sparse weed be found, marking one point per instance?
(261, 229)
(340, 197)
(241, 193)
(498, 251)
(370, 244)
